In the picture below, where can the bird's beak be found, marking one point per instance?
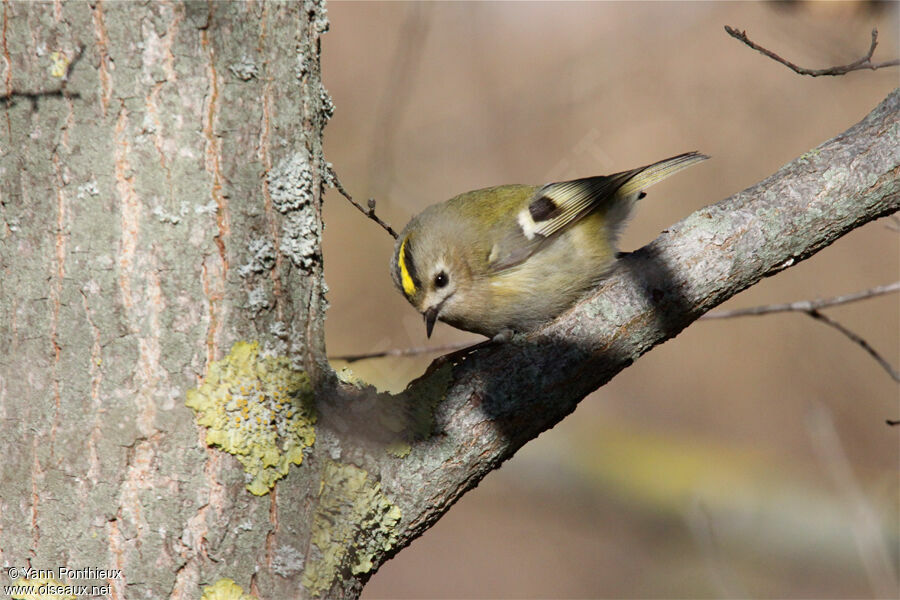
(430, 317)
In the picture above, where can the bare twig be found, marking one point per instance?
(401, 352)
(863, 63)
(369, 212)
(812, 307)
(858, 340)
(805, 305)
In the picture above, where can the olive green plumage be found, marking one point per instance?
(512, 257)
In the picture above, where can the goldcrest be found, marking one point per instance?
(510, 258)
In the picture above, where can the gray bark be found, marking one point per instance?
(161, 213)
(155, 208)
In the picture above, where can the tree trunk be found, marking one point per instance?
(162, 307)
(160, 201)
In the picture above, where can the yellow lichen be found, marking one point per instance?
(59, 65)
(354, 520)
(224, 589)
(347, 375)
(258, 409)
(42, 588)
(398, 448)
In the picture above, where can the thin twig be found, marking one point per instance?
(369, 212)
(858, 340)
(863, 63)
(805, 305)
(812, 307)
(401, 352)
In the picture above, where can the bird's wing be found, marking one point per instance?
(557, 206)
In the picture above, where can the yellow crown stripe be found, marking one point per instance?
(409, 287)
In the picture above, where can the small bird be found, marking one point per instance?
(508, 259)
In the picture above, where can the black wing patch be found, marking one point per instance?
(543, 208)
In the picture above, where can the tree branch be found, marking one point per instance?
(815, 314)
(370, 212)
(812, 307)
(805, 305)
(399, 352)
(862, 63)
(502, 396)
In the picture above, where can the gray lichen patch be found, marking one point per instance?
(299, 241)
(290, 183)
(287, 561)
(258, 299)
(291, 189)
(245, 69)
(262, 258)
(327, 103)
(319, 11)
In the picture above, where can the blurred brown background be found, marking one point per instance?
(745, 458)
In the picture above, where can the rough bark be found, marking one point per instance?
(159, 243)
(157, 206)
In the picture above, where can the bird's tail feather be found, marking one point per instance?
(644, 177)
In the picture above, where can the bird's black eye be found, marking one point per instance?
(441, 279)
